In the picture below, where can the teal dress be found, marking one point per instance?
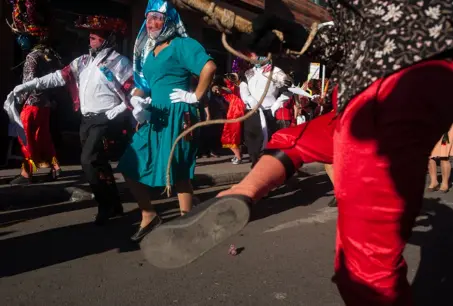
(145, 159)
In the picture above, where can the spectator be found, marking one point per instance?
(232, 132)
(441, 152)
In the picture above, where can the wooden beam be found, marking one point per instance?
(301, 11)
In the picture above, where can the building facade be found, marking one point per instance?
(71, 42)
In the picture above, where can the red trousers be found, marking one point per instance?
(382, 144)
(307, 143)
(36, 121)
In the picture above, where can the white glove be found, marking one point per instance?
(139, 112)
(25, 87)
(139, 102)
(141, 115)
(276, 106)
(111, 114)
(179, 95)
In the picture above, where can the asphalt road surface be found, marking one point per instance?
(53, 255)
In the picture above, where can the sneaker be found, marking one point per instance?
(233, 159)
(182, 240)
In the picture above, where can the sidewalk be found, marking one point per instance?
(209, 172)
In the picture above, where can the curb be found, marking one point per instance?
(22, 197)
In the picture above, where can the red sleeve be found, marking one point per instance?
(71, 84)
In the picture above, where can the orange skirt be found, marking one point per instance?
(442, 148)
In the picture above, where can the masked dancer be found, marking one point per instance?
(100, 84)
(164, 61)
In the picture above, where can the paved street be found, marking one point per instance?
(53, 255)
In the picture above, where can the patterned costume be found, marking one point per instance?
(35, 114)
(29, 22)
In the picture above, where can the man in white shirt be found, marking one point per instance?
(100, 83)
(259, 128)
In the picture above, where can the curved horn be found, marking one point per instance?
(13, 28)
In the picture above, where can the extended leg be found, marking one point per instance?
(182, 240)
(287, 151)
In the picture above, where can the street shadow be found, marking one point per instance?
(287, 197)
(214, 161)
(15, 217)
(58, 245)
(42, 249)
(433, 283)
(58, 201)
(433, 232)
(36, 195)
(43, 178)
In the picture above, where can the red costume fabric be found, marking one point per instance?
(36, 121)
(286, 112)
(381, 153)
(308, 142)
(231, 136)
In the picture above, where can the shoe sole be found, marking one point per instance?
(183, 240)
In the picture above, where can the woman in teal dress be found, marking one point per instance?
(164, 61)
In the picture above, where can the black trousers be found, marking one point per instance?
(253, 134)
(210, 139)
(283, 124)
(95, 162)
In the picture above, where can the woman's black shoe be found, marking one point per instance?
(143, 231)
